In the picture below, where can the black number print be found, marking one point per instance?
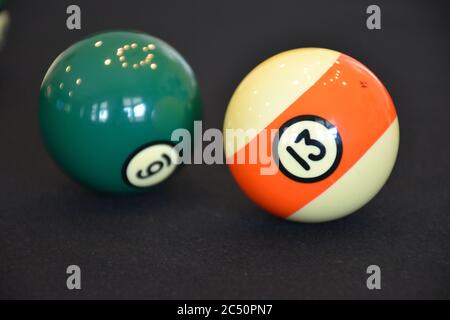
(309, 142)
(154, 167)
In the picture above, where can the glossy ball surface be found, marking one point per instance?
(338, 135)
(108, 107)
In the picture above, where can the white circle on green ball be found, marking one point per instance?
(151, 165)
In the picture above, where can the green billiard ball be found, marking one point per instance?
(108, 107)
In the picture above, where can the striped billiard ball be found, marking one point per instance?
(337, 134)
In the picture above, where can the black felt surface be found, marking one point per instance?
(198, 236)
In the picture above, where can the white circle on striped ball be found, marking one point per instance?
(309, 148)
